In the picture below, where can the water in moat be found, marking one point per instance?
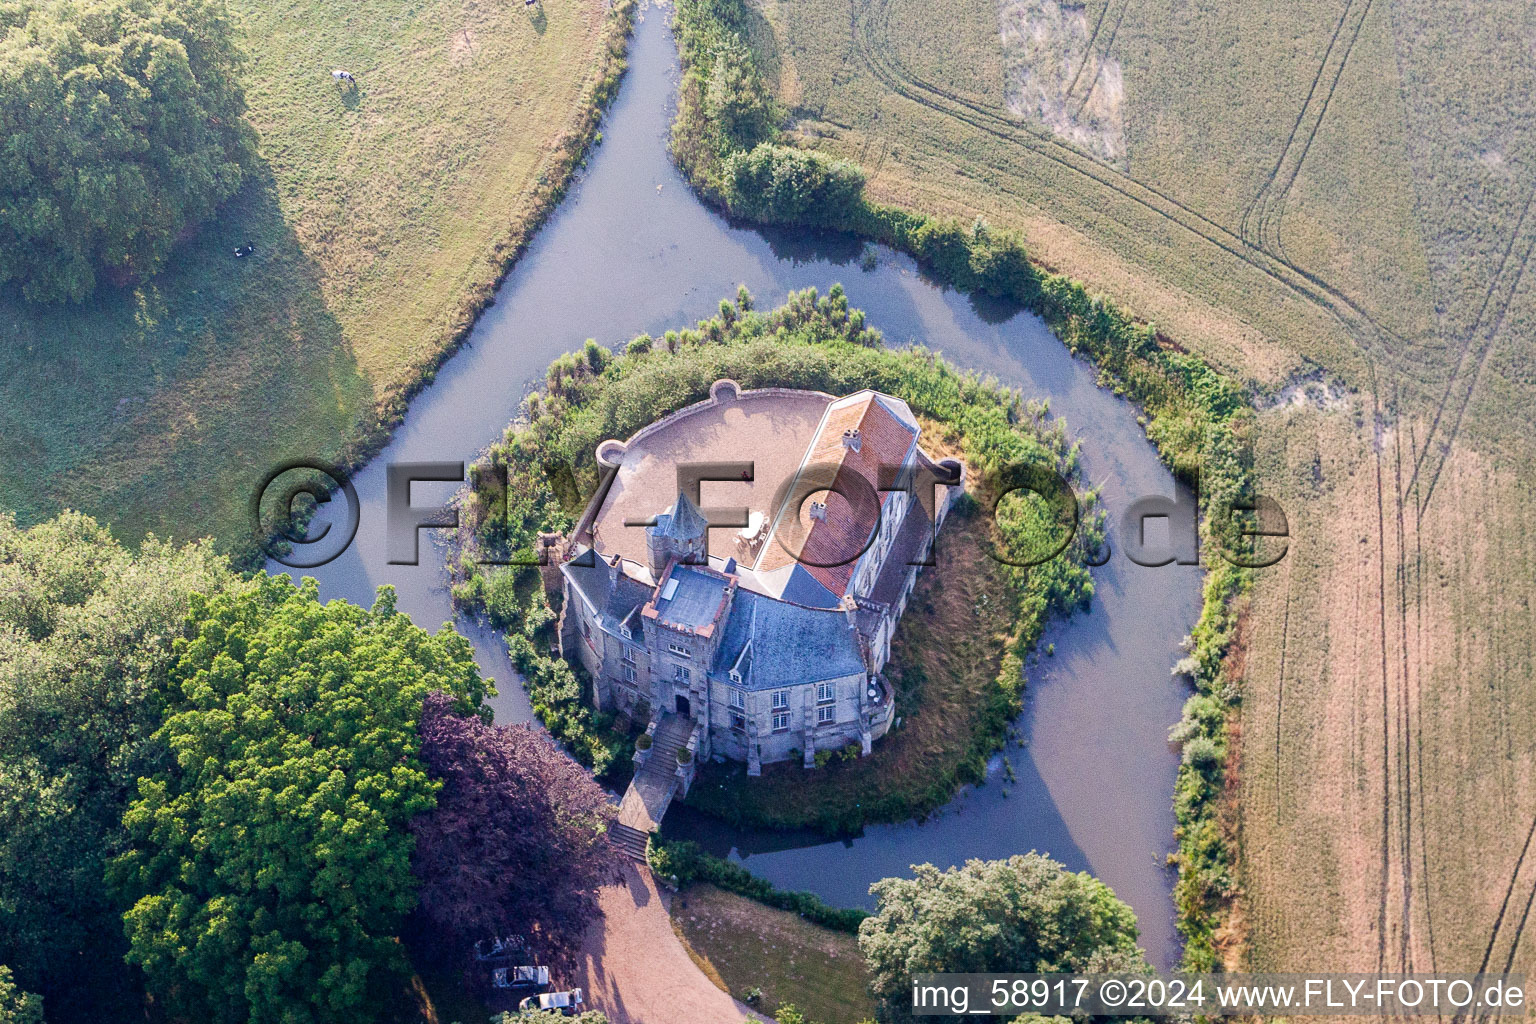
(632, 250)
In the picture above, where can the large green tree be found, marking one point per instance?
(86, 629)
(270, 864)
(1024, 914)
(16, 1006)
(121, 123)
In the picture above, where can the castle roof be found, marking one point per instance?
(606, 588)
(773, 643)
(684, 522)
(882, 432)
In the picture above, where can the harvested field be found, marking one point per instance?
(1337, 203)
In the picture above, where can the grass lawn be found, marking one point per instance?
(742, 944)
(381, 215)
(944, 663)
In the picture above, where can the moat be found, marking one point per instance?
(632, 250)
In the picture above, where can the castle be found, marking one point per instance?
(758, 625)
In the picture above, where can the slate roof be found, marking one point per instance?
(683, 522)
(696, 599)
(614, 598)
(790, 644)
(828, 548)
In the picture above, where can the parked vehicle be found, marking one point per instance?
(567, 1004)
(500, 947)
(520, 979)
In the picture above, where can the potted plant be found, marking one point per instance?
(643, 741)
(684, 755)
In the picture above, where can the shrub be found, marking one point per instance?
(643, 741)
(782, 185)
(684, 755)
(124, 124)
(688, 863)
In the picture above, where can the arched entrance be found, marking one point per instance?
(683, 707)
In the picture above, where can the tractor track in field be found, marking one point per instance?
(1113, 33)
(1396, 876)
(1385, 855)
(871, 42)
(1501, 291)
(1260, 225)
(1498, 921)
(1088, 49)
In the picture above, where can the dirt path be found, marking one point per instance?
(635, 970)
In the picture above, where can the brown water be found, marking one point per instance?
(631, 250)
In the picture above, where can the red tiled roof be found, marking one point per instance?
(884, 440)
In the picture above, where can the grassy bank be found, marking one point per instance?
(749, 949)
(382, 218)
(684, 863)
(1199, 419)
(816, 343)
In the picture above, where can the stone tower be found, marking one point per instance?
(679, 534)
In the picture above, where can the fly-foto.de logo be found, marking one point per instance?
(1251, 532)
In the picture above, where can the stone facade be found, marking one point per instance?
(773, 646)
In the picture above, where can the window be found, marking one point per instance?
(780, 699)
(739, 723)
(738, 698)
(825, 693)
(781, 723)
(586, 629)
(629, 654)
(629, 673)
(680, 674)
(826, 714)
(678, 649)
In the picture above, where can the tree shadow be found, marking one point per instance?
(158, 407)
(537, 18)
(798, 246)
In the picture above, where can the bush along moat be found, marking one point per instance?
(957, 658)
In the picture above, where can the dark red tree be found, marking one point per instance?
(517, 842)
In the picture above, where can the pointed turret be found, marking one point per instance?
(679, 534)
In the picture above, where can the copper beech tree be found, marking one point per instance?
(517, 841)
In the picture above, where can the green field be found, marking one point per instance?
(1333, 202)
(381, 215)
(743, 945)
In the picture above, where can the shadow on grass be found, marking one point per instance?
(158, 406)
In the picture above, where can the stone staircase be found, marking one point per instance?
(631, 842)
(651, 790)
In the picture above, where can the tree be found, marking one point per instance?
(517, 840)
(86, 632)
(16, 1006)
(1024, 914)
(784, 185)
(270, 864)
(124, 124)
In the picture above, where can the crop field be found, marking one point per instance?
(1334, 202)
(381, 215)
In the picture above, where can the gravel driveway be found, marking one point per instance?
(635, 970)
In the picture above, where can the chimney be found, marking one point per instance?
(819, 511)
(851, 438)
